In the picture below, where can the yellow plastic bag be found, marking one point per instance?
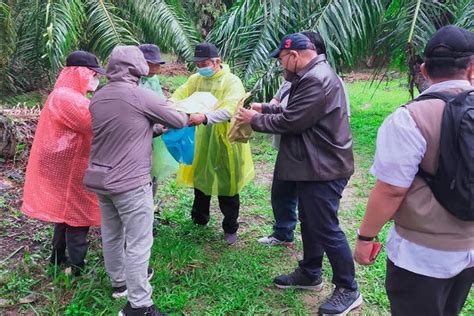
(239, 132)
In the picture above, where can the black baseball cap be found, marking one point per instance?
(205, 51)
(81, 58)
(450, 41)
(296, 41)
(317, 41)
(152, 54)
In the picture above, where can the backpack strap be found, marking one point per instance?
(445, 96)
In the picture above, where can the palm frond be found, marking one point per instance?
(165, 24)
(7, 47)
(250, 30)
(105, 28)
(65, 20)
(463, 14)
(28, 66)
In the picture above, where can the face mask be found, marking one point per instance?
(289, 75)
(93, 84)
(206, 71)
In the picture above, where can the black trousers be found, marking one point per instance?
(318, 205)
(414, 294)
(229, 206)
(72, 238)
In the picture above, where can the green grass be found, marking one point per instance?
(172, 82)
(195, 272)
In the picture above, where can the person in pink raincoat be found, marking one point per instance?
(53, 190)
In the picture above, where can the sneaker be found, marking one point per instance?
(121, 291)
(298, 279)
(273, 241)
(230, 238)
(341, 302)
(128, 310)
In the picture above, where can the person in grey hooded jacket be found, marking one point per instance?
(123, 115)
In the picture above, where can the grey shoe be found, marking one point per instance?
(341, 302)
(273, 241)
(230, 238)
(298, 279)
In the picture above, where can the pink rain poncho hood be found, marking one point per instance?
(53, 189)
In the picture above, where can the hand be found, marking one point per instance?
(164, 129)
(196, 119)
(245, 116)
(257, 107)
(362, 252)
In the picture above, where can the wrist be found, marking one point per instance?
(365, 238)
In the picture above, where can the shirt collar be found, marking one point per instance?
(448, 85)
(316, 60)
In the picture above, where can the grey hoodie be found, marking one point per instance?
(123, 115)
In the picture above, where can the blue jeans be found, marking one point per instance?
(318, 204)
(284, 203)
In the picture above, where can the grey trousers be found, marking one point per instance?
(127, 218)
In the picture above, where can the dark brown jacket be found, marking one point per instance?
(123, 116)
(316, 141)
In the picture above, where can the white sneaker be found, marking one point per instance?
(272, 241)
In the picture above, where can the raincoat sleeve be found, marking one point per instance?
(158, 110)
(72, 111)
(185, 90)
(306, 107)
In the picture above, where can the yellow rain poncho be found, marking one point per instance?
(219, 167)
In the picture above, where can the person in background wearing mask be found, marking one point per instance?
(219, 167)
(152, 56)
(284, 197)
(316, 153)
(53, 188)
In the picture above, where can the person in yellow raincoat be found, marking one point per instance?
(219, 167)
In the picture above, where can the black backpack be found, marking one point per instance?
(453, 183)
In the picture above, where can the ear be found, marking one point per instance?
(424, 71)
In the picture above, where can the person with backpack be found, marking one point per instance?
(424, 165)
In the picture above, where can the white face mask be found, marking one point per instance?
(93, 84)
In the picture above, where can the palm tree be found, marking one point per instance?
(250, 30)
(37, 35)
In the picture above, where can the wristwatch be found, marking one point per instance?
(364, 238)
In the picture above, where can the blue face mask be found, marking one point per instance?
(206, 71)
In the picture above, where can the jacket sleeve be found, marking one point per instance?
(305, 108)
(159, 110)
(72, 112)
(268, 108)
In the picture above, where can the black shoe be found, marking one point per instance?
(128, 310)
(341, 302)
(298, 279)
(121, 291)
